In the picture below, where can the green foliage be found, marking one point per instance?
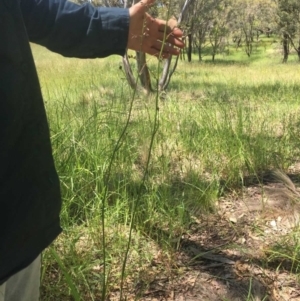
(286, 252)
(289, 18)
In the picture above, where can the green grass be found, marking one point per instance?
(218, 123)
(286, 252)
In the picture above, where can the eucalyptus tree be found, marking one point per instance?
(289, 26)
(199, 20)
(218, 30)
(249, 18)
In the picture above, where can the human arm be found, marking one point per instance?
(86, 31)
(76, 30)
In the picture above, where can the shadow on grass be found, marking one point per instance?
(210, 246)
(230, 274)
(214, 91)
(225, 62)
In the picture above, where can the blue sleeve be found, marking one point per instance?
(76, 30)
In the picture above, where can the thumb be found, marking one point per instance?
(172, 23)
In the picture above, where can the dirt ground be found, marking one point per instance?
(225, 255)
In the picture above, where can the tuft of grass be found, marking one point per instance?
(286, 252)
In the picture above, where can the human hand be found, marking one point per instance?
(152, 36)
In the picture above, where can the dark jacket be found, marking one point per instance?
(29, 188)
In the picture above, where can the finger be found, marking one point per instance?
(175, 42)
(170, 39)
(157, 49)
(177, 32)
(172, 23)
(165, 48)
(163, 27)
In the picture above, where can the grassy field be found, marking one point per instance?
(136, 170)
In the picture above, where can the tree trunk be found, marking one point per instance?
(239, 41)
(286, 50)
(128, 72)
(213, 57)
(182, 55)
(167, 74)
(249, 48)
(189, 48)
(143, 71)
(164, 77)
(200, 53)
